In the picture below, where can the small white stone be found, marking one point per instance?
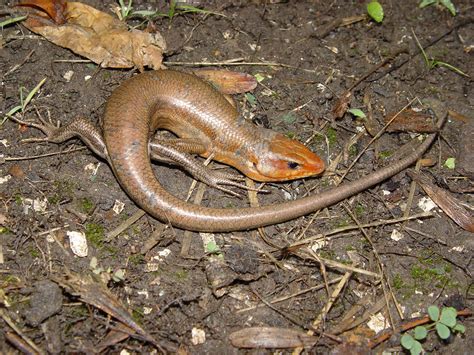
(78, 243)
(118, 206)
(198, 336)
(396, 235)
(68, 75)
(426, 204)
(378, 323)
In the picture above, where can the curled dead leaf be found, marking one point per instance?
(99, 37)
(341, 105)
(446, 201)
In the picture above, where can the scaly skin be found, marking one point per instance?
(191, 108)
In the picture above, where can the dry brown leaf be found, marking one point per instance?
(341, 105)
(273, 338)
(447, 202)
(97, 295)
(101, 38)
(411, 121)
(228, 82)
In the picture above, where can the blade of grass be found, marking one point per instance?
(23, 102)
(11, 20)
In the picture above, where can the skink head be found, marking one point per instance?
(282, 159)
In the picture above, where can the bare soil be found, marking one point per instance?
(169, 295)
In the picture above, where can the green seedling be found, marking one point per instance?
(433, 63)
(106, 274)
(357, 112)
(125, 10)
(23, 101)
(375, 11)
(446, 3)
(443, 321)
(11, 20)
(450, 163)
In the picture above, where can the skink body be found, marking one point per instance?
(191, 108)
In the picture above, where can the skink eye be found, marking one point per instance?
(293, 165)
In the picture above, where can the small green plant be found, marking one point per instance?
(446, 3)
(375, 11)
(23, 101)
(95, 234)
(433, 63)
(87, 206)
(106, 274)
(331, 135)
(443, 321)
(397, 282)
(385, 154)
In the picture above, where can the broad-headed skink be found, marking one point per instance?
(199, 114)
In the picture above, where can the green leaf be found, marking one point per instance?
(433, 312)
(450, 6)
(420, 333)
(259, 77)
(448, 316)
(425, 3)
(357, 112)
(251, 99)
(442, 330)
(212, 248)
(459, 328)
(375, 10)
(407, 341)
(450, 163)
(33, 92)
(416, 349)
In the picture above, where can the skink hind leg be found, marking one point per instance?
(212, 178)
(79, 127)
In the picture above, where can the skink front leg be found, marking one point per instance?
(213, 178)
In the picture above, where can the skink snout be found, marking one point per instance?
(285, 159)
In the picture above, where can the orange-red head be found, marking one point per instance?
(277, 158)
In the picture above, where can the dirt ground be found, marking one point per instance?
(182, 287)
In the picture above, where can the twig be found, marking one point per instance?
(44, 155)
(296, 294)
(12, 325)
(123, 226)
(15, 67)
(236, 62)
